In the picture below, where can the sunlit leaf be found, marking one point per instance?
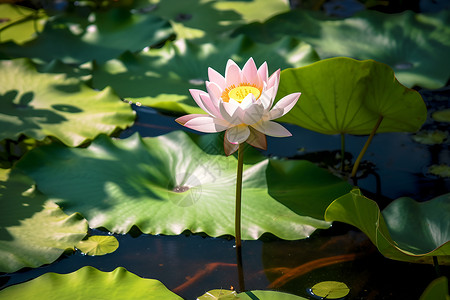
(38, 105)
(414, 45)
(201, 19)
(90, 283)
(98, 245)
(406, 230)
(33, 230)
(166, 185)
(19, 23)
(343, 95)
(161, 78)
(330, 290)
(103, 36)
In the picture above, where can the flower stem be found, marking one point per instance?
(366, 145)
(237, 220)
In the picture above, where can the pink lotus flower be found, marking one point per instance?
(241, 105)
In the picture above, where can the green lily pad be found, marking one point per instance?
(167, 185)
(33, 230)
(442, 115)
(343, 95)
(161, 78)
(90, 283)
(19, 23)
(194, 19)
(330, 290)
(38, 105)
(104, 36)
(253, 295)
(219, 294)
(406, 230)
(98, 245)
(436, 290)
(414, 45)
(440, 170)
(430, 137)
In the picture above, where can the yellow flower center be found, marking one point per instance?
(239, 93)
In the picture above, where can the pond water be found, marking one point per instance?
(191, 264)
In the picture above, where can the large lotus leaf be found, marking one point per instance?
(414, 45)
(343, 95)
(39, 105)
(406, 230)
(166, 185)
(106, 35)
(90, 283)
(203, 19)
(19, 23)
(161, 78)
(261, 295)
(33, 230)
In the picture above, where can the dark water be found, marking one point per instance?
(190, 265)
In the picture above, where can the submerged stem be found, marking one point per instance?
(366, 145)
(436, 266)
(237, 220)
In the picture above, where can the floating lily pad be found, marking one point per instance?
(329, 290)
(98, 245)
(440, 170)
(38, 105)
(430, 137)
(104, 36)
(442, 115)
(161, 78)
(343, 95)
(166, 185)
(33, 230)
(90, 283)
(261, 295)
(194, 19)
(19, 23)
(406, 230)
(414, 45)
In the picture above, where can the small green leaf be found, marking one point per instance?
(442, 115)
(440, 170)
(219, 295)
(98, 245)
(90, 283)
(343, 95)
(330, 290)
(430, 137)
